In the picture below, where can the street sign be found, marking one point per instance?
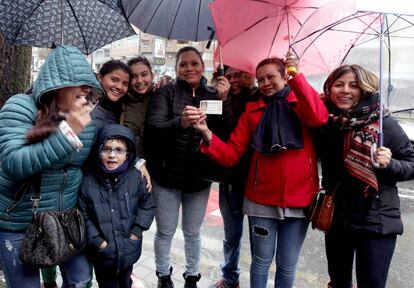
(159, 61)
(159, 51)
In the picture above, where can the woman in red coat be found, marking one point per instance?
(283, 176)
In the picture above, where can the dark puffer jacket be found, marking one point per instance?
(173, 156)
(354, 212)
(116, 207)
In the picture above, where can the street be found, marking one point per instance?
(311, 271)
(312, 268)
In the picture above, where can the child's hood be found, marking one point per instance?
(112, 131)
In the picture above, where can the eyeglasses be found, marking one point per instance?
(117, 150)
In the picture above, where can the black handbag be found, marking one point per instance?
(53, 237)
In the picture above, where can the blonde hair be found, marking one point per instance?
(368, 82)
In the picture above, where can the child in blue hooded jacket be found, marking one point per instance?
(117, 208)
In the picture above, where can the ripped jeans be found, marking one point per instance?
(75, 272)
(267, 236)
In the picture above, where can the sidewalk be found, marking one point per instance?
(309, 274)
(211, 252)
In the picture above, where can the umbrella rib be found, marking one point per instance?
(153, 15)
(363, 33)
(132, 10)
(198, 19)
(120, 6)
(247, 29)
(400, 29)
(28, 17)
(274, 38)
(175, 17)
(329, 26)
(80, 28)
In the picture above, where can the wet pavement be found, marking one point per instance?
(311, 270)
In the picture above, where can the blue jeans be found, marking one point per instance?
(267, 236)
(168, 202)
(231, 204)
(373, 254)
(75, 272)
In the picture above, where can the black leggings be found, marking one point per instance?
(373, 254)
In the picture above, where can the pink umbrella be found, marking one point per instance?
(333, 30)
(252, 30)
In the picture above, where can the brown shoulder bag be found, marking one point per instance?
(322, 209)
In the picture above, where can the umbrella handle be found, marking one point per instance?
(291, 71)
(220, 69)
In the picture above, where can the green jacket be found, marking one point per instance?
(53, 159)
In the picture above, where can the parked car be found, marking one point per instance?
(405, 118)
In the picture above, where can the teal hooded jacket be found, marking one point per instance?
(53, 160)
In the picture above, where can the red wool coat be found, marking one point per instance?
(285, 179)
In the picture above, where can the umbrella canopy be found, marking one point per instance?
(331, 32)
(172, 19)
(250, 30)
(85, 24)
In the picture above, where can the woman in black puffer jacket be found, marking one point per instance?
(367, 216)
(172, 160)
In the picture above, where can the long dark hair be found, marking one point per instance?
(113, 65)
(47, 118)
(140, 59)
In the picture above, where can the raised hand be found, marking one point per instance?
(223, 87)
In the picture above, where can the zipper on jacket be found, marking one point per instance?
(194, 92)
(256, 177)
(65, 178)
(18, 197)
(126, 197)
(15, 204)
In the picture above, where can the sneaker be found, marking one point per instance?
(225, 284)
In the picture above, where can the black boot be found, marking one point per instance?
(191, 281)
(165, 281)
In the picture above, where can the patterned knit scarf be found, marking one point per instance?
(361, 133)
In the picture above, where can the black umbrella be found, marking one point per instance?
(171, 19)
(85, 24)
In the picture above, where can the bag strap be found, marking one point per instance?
(35, 180)
(336, 188)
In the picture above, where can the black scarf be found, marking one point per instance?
(279, 128)
(115, 107)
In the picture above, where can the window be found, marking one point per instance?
(133, 41)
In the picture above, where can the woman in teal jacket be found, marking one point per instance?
(46, 135)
